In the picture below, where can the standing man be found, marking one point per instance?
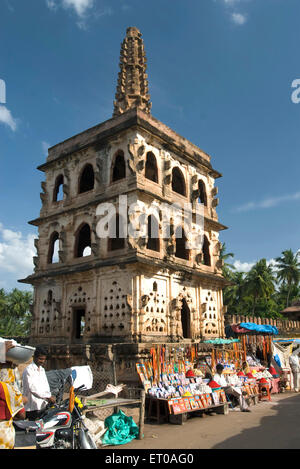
(36, 387)
(234, 390)
(295, 367)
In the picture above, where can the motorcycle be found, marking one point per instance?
(63, 427)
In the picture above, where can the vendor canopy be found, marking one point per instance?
(221, 341)
(260, 328)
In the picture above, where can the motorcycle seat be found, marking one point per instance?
(26, 425)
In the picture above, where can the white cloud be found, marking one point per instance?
(16, 252)
(238, 18)
(51, 4)
(80, 6)
(243, 266)
(83, 10)
(7, 118)
(246, 266)
(268, 202)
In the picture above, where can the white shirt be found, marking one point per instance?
(220, 379)
(294, 363)
(234, 380)
(35, 387)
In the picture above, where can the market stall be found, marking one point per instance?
(175, 387)
(256, 351)
(230, 353)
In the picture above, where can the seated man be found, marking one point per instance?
(235, 390)
(36, 387)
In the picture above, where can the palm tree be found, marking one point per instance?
(18, 302)
(224, 256)
(288, 273)
(15, 315)
(233, 294)
(259, 282)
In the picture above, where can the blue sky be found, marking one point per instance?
(220, 74)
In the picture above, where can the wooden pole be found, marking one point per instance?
(142, 415)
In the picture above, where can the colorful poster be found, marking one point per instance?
(203, 400)
(193, 403)
(199, 402)
(216, 397)
(176, 407)
(182, 405)
(223, 396)
(187, 403)
(208, 399)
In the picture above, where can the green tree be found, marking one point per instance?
(259, 283)
(233, 294)
(227, 267)
(15, 315)
(288, 272)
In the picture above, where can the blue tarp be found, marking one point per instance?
(297, 341)
(263, 328)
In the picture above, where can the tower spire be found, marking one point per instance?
(132, 88)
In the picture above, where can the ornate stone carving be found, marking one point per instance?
(132, 88)
(136, 150)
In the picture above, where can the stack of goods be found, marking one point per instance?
(178, 385)
(262, 374)
(197, 402)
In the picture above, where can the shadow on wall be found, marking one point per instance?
(280, 431)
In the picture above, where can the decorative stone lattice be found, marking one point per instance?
(210, 316)
(80, 299)
(154, 309)
(116, 311)
(50, 318)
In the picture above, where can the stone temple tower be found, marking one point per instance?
(144, 281)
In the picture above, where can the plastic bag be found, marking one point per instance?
(120, 429)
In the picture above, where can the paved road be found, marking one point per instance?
(269, 425)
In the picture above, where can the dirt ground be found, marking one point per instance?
(269, 425)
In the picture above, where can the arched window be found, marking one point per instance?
(178, 182)
(185, 320)
(83, 241)
(53, 248)
(58, 193)
(153, 234)
(50, 297)
(87, 179)
(181, 251)
(119, 167)
(206, 254)
(202, 193)
(151, 168)
(116, 238)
